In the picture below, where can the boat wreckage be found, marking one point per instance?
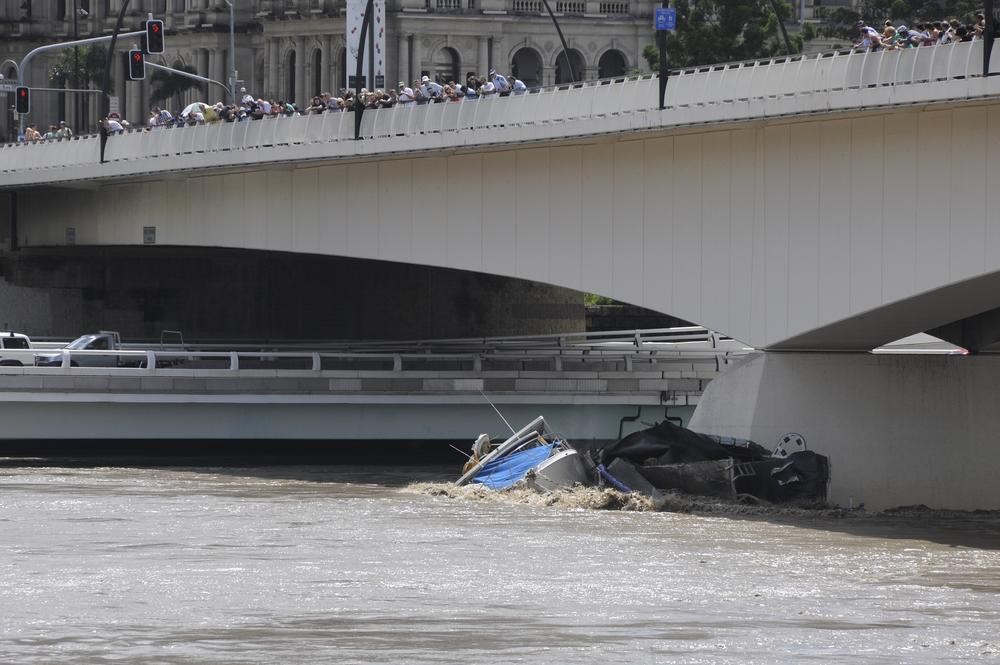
(662, 458)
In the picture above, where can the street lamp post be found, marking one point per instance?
(232, 51)
(76, 65)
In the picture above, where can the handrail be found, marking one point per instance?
(566, 103)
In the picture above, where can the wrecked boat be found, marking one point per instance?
(664, 457)
(670, 457)
(534, 454)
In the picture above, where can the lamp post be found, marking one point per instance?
(11, 134)
(232, 51)
(76, 65)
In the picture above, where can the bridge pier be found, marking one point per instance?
(898, 429)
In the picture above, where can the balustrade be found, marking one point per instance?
(734, 91)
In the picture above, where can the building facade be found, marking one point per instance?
(292, 49)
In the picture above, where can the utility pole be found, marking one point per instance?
(232, 51)
(76, 65)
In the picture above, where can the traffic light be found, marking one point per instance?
(136, 65)
(22, 103)
(154, 36)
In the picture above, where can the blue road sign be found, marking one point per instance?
(665, 18)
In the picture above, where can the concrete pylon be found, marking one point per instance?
(899, 429)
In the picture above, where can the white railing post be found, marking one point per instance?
(234, 360)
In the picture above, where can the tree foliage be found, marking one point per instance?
(840, 21)
(713, 31)
(81, 66)
(166, 86)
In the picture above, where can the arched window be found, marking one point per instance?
(446, 65)
(562, 67)
(291, 76)
(527, 66)
(317, 72)
(611, 64)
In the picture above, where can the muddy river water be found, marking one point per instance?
(352, 565)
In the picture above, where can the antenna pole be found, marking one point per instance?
(512, 430)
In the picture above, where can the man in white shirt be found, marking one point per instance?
(405, 94)
(434, 89)
(870, 38)
(517, 86)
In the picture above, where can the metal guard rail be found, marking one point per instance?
(730, 84)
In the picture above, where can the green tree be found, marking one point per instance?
(80, 66)
(170, 87)
(713, 31)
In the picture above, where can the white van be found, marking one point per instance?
(13, 340)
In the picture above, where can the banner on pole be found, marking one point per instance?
(372, 70)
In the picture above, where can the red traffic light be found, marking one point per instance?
(154, 36)
(136, 65)
(22, 99)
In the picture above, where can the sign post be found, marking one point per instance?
(664, 19)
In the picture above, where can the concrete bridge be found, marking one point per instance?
(832, 202)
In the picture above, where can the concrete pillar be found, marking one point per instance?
(275, 86)
(898, 429)
(404, 58)
(267, 84)
(300, 71)
(133, 103)
(483, 64)
(326, 75)
(210, 72)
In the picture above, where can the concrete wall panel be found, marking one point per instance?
(254, 224)
(596, 217)
(565, 238)
(362, 210)
(278, 226)
(499, 225)
(968, 185)
(716, 242)
(743, 192)
(658, 224)
(305, 210)
(687, 204)
(933, 199)
(217, 217)
(866, 206)
(626, 238)
(430, 211)
(991, 140)
(529, 203)
(777, 188)
(803, 227)
(835, 230)
(404, 196)
(899, 206)
(464, 206)
(332, 210)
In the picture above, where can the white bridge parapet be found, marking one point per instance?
(827, 82)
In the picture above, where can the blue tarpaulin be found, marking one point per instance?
(504, 472)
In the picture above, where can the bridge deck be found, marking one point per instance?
(827, 82)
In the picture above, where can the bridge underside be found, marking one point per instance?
(227, 294)
(965, 313)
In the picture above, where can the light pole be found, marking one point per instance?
(232, 51)
(9, 112)
(76, 64)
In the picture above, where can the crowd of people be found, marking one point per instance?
(428, 91)
(931, 33)
(422, 91)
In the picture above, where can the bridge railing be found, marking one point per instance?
(572, 106)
